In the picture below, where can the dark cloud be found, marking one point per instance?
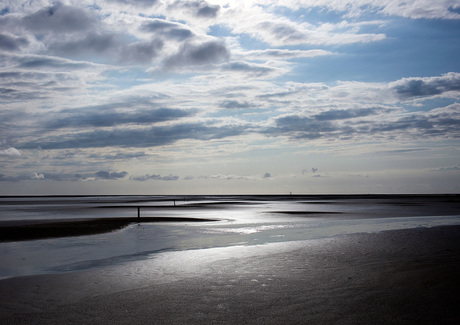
(118, 156)
(140, 52)
(58, 19)
(342, 114)
(422, 87)
(12, 43)
(97, 116)
(136, 3)
(282, 32)
(303, 127)
(43, 177)
(93, 42)
(200, 9)
(104, 175)
(248, 68)
(45, 62)
(138, 137)
(438, 123)
(110, 175)
(179, 34)
(149, 177)
(114, 47)
(277, 94)
(6, 178)
(208, 11)
(267, 175)
(167, 29)
(192, 53)
(158, 25)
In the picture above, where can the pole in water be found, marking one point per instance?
(138, 214)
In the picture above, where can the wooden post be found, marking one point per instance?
(138, 214)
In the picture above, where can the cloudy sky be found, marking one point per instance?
(228, 97)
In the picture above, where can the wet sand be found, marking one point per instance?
(32, 230)
(392, 277)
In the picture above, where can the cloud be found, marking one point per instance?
(234, 104)
(168, 30)
(441, 122)
(119, 156)
(140, 52)
(410, 9)
(93, 42)
(342, 114)
(47, 62)
(63, 177)
(302, 127)
(267, 175)
(38, 176)
(270, 54)
(148, 177)
(109, 46)
(280, 31)
(229, 177)
(192, 54)
(110, 175)
(455, 167)
(199, 9)
(11, 152)
(6, 178)
(58, 19)
(136, 137)
(249, 69)
(107, 115)
(12, 43)
(137, 3)
(408, 88)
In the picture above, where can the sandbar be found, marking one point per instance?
(40, 229)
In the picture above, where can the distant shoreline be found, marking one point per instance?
(214, 196)
(22, 230)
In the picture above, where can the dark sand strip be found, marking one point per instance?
(33, 230)
(394, 277)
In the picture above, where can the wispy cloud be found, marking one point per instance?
(149, 177)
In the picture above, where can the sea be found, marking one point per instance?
(238, 221)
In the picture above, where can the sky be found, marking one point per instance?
(229, 97)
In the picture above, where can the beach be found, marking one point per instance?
(397, 277)
(317, 268)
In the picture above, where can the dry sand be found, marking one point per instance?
(394, 277)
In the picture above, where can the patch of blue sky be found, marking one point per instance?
(247, 42)
(428, 104)
(404, 53)
(126, 78)
(219, 30)
(456, 10)
(311, 15)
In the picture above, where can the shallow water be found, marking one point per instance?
(243, 221)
